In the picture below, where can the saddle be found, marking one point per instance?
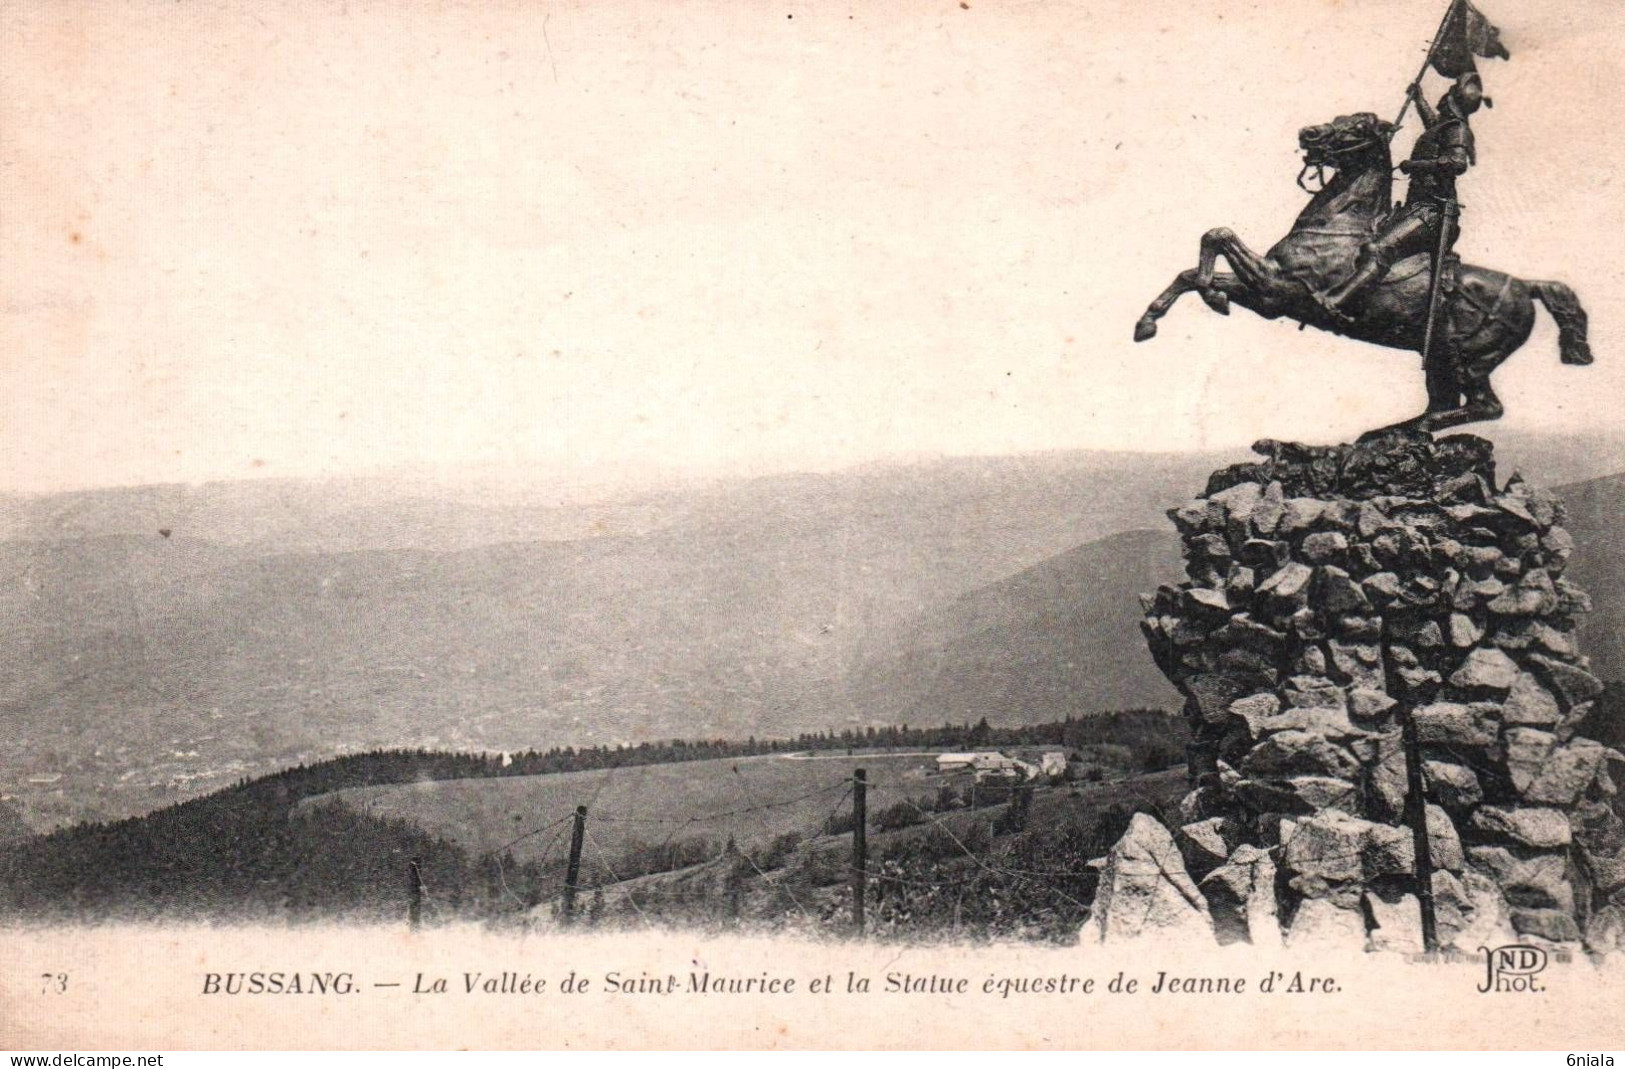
(1413, 265)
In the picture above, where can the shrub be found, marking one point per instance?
(780, 850)
(901, 815)
(839, 824)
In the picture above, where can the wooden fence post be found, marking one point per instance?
(860, 845)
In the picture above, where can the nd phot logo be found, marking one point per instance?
(1513, 968)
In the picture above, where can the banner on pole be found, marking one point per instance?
(1464, 34)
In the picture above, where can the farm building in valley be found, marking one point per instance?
(992, 765)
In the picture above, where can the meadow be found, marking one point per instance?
(751, 799)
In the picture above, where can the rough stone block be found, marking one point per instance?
(1552, 925)
(1214, 691)
(1386, 779)
(1358, 662)
(1205, 844)
(1144, 890)
(1297, 795)
(1322, 925)
(1190, 518)
(1369, 703)
(1337, 848)
(1455, 786)
(1301, 514)
(1568, 771)
(1472, 596)
(1456, 724)
(1383, 587)
(1486, 669)
(1314, 692)
(1464, 632)
(1241, 898)
(1242, 631)
(1571, 683)
(1537, 827)
(1304, 753)
(1473, 913)
(1443, 843)
(1290, 582)
(1533, 596)
(1396, 922)
(1528, 702)
(1199, 600)
(1324, 547)
(1236, 504)
(1526, 878)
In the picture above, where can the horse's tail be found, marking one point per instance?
(1564, 306)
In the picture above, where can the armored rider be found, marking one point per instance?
(1443, 152)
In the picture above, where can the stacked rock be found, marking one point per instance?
(1332, 593)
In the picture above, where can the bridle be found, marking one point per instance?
(1334, 159)
(1320, 177)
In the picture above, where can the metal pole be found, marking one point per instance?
(1417, 807)
(414, 893)
(572, 874)
(734, 879)
(1416, 810)
(860, 845)
(1447, 223)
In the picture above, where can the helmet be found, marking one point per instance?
(1468, 93)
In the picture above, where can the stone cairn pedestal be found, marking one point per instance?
(1346, 606)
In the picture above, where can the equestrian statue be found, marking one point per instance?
(1355, 264)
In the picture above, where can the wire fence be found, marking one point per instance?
(964, 844)
(786, 854)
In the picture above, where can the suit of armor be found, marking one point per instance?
(1443, 152)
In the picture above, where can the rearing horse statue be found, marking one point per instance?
(1489, 314)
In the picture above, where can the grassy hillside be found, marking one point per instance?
(333, 840)
(754, 799)
(955, 874)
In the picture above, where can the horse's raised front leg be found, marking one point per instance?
(1220, 290)
(1250, 268)
(1145, 328)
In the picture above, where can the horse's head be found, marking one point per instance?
(1347, 138)
(1354, 148)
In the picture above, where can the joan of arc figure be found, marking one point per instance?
(1443, 152)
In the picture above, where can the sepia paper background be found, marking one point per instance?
(140, 990)
(632, 242)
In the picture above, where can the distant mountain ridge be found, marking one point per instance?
(1596, 519)
(1065, 632)
(1056, 638)
(280, 622)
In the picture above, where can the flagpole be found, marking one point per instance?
(1427, 59)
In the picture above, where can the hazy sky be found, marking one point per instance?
(301, 238)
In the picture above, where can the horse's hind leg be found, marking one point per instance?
(1442, 376)
(1471, 397)
(1482, 404)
